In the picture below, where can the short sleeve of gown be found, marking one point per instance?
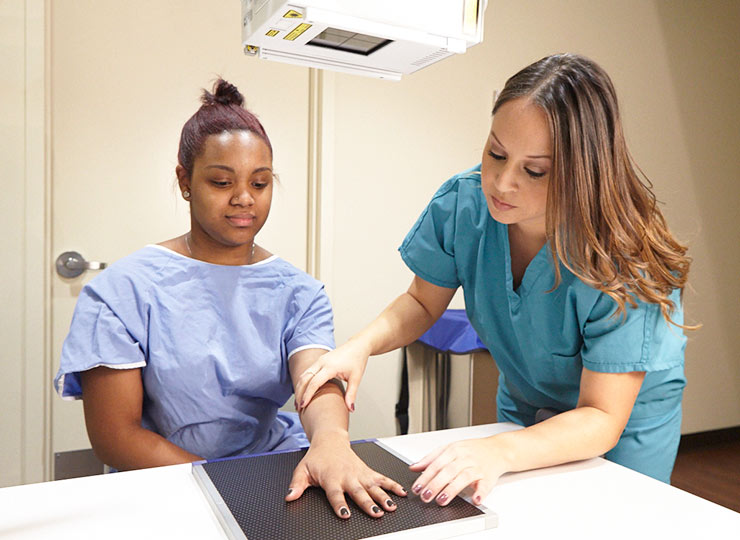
(428, 249)
(314, 327)
(643, 341)
(97, 337)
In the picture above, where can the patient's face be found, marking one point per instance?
(231, 187)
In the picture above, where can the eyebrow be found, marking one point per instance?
(531, 157)
(229, 169)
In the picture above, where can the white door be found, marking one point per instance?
(125, 76)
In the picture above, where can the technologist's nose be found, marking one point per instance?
(505, 181)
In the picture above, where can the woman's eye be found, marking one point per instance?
(497, 157)
(220, 183)
(534, 174)
(261, 182)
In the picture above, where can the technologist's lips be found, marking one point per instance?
(500, 205)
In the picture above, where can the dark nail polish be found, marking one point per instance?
(442, 497)
(375, 509)
(477, 499)
(427, 495)
(352, 407)
(416, 489)
(343, 511)
(390, 503)
(290, 490)
(404, 490)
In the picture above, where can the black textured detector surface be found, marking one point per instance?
(254, 488)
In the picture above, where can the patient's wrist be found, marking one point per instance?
(330, 436)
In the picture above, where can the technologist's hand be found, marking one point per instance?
(333, 466)
(450, 469)
(346, 363)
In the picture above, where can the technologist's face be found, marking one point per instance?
(516, 165)
(231, 187)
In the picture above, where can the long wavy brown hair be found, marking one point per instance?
(602, 220)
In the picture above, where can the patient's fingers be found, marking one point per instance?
(337, 501)
(298, 483)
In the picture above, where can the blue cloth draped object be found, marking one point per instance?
(453, 333)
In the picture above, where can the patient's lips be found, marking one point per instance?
(241, 219)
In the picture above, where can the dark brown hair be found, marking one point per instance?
(602, 220)
(222, 110)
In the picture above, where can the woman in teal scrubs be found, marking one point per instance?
(571, 279)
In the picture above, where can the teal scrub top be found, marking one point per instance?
(541, 340)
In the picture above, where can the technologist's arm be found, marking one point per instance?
(402, 322)
(112, 401)
(591, 429)
(330, 462)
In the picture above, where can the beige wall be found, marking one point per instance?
(700, 161)
(23, 207)
(135, 67)
(12, 140)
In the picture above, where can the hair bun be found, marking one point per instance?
(224, 93)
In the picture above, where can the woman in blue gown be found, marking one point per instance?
(186, 349)
(570, 276)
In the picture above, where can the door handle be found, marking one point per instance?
(71, 264)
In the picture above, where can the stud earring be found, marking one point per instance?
(186, 194)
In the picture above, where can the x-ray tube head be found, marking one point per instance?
(377, 38)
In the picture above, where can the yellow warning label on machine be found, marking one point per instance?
(272, 33)
(293, 14)
(470, 17)
(297, 31)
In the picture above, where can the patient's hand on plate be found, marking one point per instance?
(331, 464)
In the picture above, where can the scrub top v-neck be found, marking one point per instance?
(540, 339)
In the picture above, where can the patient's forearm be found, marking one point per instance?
(326, 415)
(138, 448)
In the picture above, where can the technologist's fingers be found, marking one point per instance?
(300, 387)
(304, 379)
(438, 468)
(450, 488)
(434, 480)
(424, 462)
(316, 381)
(350, 394)
(306, 384)
(482, 488)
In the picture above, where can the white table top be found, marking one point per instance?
(588, 499)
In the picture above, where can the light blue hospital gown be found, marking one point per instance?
(212, 342)
(540, 340)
